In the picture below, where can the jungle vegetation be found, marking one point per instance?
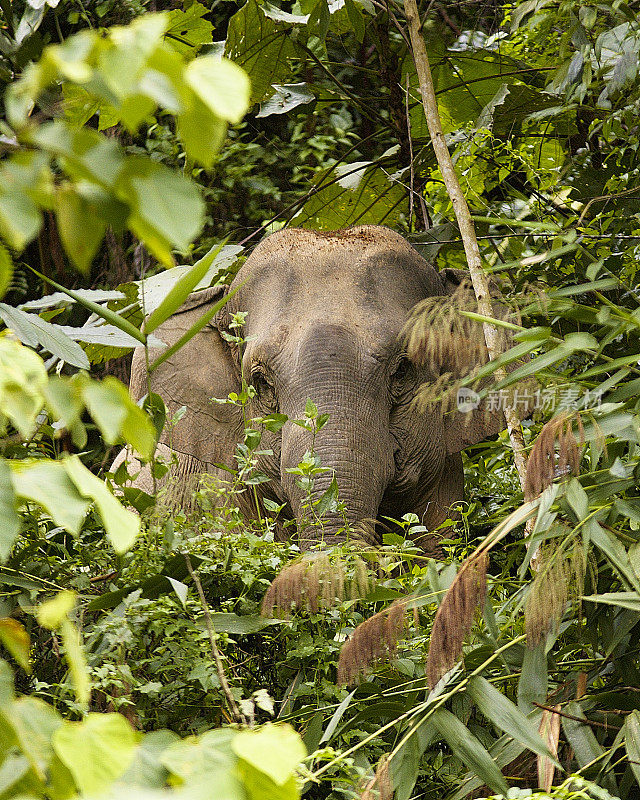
(145, 146)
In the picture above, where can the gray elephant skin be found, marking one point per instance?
(324, 314)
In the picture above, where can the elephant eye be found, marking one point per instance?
(401, 376)
(264, 389)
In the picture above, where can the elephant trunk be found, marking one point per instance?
(352, 452)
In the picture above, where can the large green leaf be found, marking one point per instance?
(48, 484)
(25, 180)
(117, 416)
(275, 749)
(534, 679)
(468, 749)
(179, 292)
(366, 197)
(96, 751)
(167, 208)
(188, 30)
(262, 47)
(506, 715)
(121, 526)
(583, 741)
(629, 600)
(34, 331)
(23, 379)
(81, 229)
(85, 154)
(632, 742)
(221, 85)
(201, 132)
(9, 519)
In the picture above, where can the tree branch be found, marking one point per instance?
(463, 217)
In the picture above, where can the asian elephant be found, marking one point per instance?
(324, 314)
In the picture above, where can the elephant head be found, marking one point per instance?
(324, 314)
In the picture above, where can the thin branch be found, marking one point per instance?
(237, 715)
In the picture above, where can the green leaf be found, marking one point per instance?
(202, 132)
(180, 291)
(227, 622)
(33, 723)
(23, 379)
(167, 208)
(101, 311)
(286, 98)
(34, 331)
(506, 716)
(85, 153)
(188, 30)
(319, 18)
(629, 600)
(356, 20)
(329, 499)
(6, 270)
(47, 483)
(222, 86)
(9, 519)
(335, 719)
(193, 330)
(16, 640)
(78, 669)
(96, 751)
(117, 416)
(607, 543)
(372, 200)
(276, 750)
(631, 729)
(534, 679)
(121, 526)
(469, 750)
(52, 613)
(583, 741)
(81, 229)
(202, 763)
(262, 47)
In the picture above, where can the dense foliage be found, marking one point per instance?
(135, 134)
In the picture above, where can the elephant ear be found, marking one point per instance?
(191, 378)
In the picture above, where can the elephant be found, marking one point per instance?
(324, 311)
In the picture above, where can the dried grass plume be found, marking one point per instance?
(455, 616)
(374, 640)
(556, 452)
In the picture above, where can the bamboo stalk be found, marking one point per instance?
(465, 223)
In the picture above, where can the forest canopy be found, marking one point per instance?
(150, 647)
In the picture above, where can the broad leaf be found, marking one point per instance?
(96, 751)
(167, 208)
(81, 229)
(34, 331)
(121, 526)
(276, 750)
(261, 46)
(469, 750)
(47, 483)
(180, 291)
(286, 98)
(9, 519)
(221, 85)
(506, 715)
